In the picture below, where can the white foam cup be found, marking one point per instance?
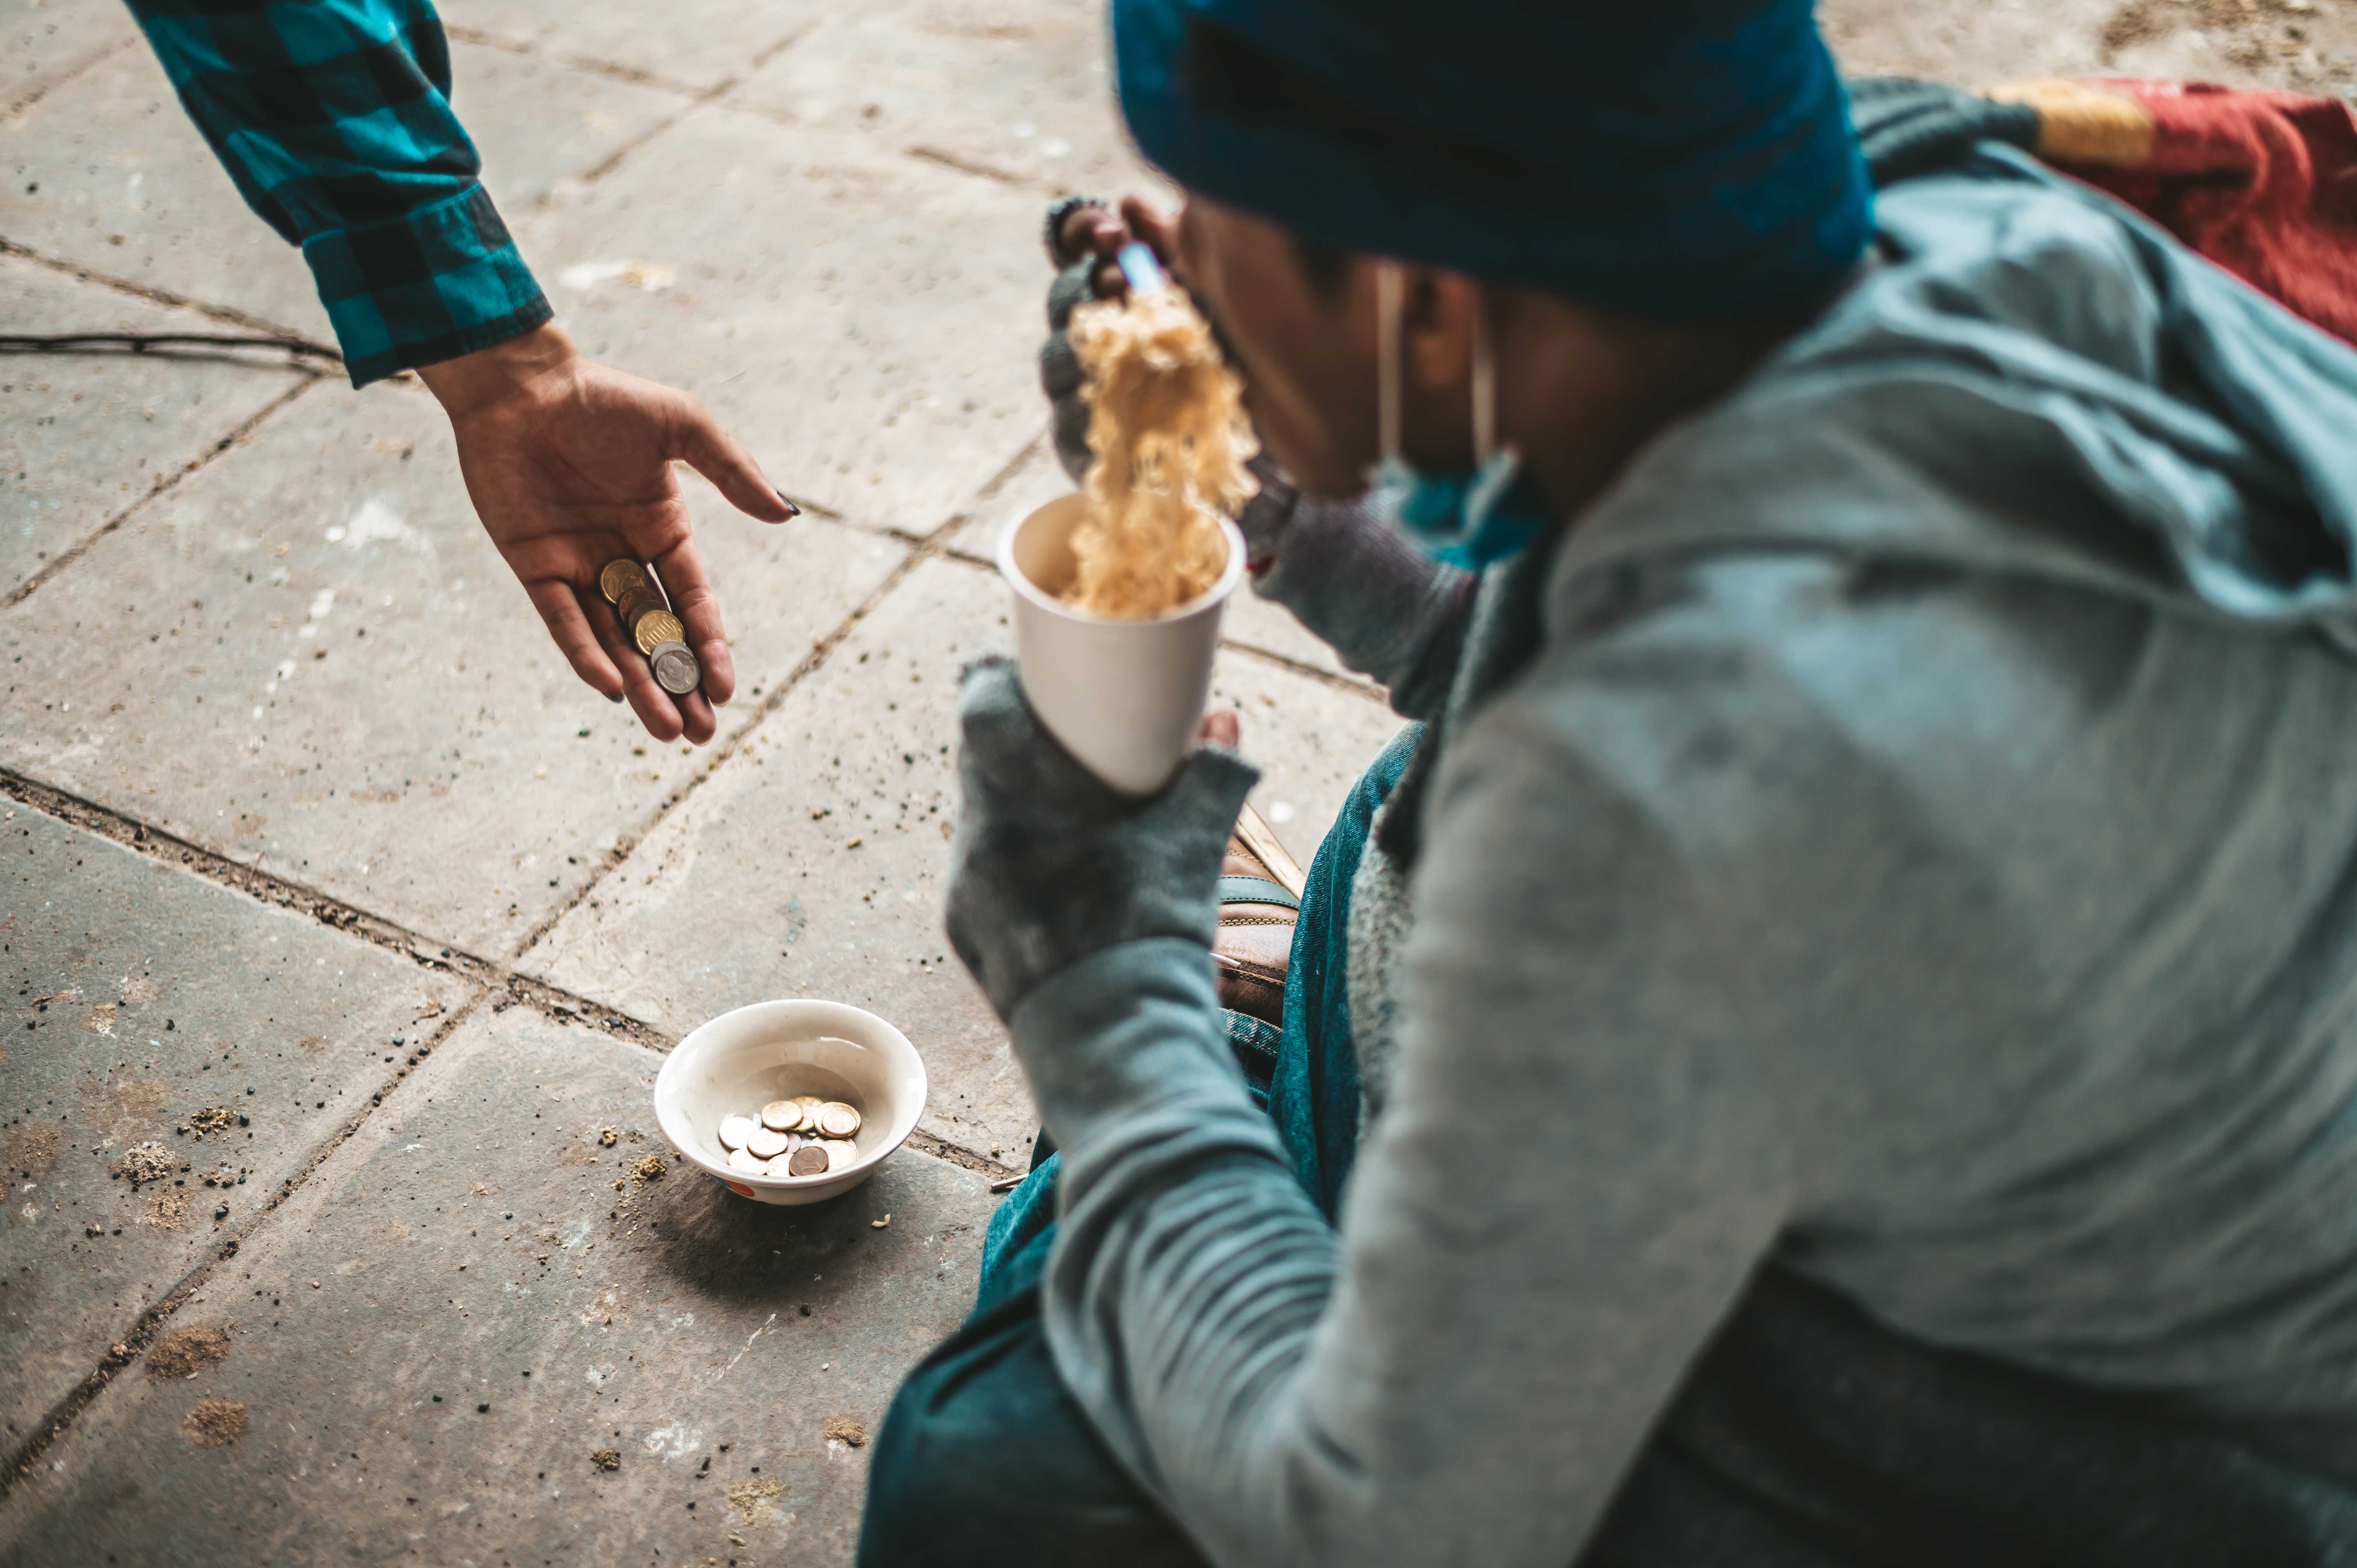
(1124, 696)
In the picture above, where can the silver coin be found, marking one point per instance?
(677, 670)
(840, 1154)
(766, 1144)
(735, 1130)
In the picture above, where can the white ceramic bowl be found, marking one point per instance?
(1124, 696)
(740, 1061)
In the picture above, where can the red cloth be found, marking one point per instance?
(2264, 184)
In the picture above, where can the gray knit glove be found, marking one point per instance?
(1051, 864)
(1060, 367)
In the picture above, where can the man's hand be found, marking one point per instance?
(568, 464)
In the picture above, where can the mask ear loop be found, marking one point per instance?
(1387, 358)
(1485, 386)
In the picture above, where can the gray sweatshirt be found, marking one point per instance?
(1921, 851)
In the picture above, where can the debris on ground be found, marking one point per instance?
(845, 1429)
(212, 1119)
(606, 1458)
(879, 1224)
(185, 1352)
(215, 1422)
(607, 1137)
(33, 1149)
(751, 1498)
(167, 1209)
(645, 1168)
(223, 1175)
(144, 1163)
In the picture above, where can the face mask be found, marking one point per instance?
(1465, 519)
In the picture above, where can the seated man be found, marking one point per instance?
(1830, 1044)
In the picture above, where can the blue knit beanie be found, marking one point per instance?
(1675, 160)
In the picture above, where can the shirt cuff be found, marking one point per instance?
(430, 285)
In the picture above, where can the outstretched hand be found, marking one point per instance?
(569, 465)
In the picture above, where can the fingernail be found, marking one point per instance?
(791, 510)
(615, 698)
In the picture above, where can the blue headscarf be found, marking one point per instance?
(1675, 160)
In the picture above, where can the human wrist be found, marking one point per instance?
(486, 376)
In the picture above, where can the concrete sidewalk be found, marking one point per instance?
(307, 824)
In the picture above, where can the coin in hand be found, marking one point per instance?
(654, 628)
(637, 604)
(676, 671)
(620, 578)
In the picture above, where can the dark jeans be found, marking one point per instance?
(1807, 1436)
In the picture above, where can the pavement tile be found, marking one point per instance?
(129, 188)
(136, 995)
(310, 654)
(698, 43)
(468, 1248)
(811, 864)
(2010, 40)
(1019, 87)
(42, 40)
(864, 322)
(84, 436)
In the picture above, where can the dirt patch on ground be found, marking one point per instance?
(144, 1163)
(845, 1429)
(138, 988)
(167, 1209)
(212, 1119)
(124, 1110)
(215, 1422)
(312, 1045)
(100, 1020)
(33, 1149)
(751, 1498)
(186, 1351)
(606, 1458)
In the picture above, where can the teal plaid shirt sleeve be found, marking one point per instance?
(333, 117)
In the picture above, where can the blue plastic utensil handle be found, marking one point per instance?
(1138, 265)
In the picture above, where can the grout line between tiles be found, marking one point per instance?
(930, 547)
(488, 976)
(72, 73)
(154, 296)
(589, 64)
(126, 1350)
(236, 437)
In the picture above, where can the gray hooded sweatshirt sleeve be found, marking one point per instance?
(1921, 851)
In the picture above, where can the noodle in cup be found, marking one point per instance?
(1124, 696)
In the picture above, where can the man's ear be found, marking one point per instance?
(1436, 330)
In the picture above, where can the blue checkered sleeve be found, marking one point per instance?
(333, 117)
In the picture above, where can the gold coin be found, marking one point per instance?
(748, 1163)
(735, 1130)
(620, 578)
(782, 1114)
(840, 1155)
(765, 1144)
(837, 1120)
(655, 630)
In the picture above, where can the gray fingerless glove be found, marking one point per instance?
(1060, 367)
(1050, 864)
